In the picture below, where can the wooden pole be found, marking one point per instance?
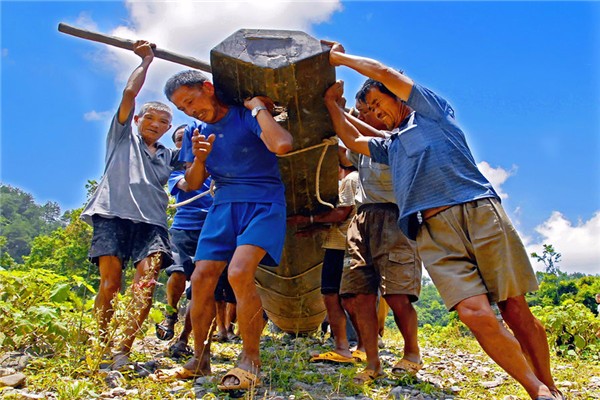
(128, 45)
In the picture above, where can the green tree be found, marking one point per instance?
(550, 258)
(21, 220)
(65, 250)
(6, 261)
(430, 307)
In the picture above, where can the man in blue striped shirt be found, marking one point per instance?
(467, 243)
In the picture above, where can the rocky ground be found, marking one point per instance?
(449, 373)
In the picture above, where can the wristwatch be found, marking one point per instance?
(256, 109)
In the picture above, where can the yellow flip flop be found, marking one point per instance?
(359, 355)
(332, 356)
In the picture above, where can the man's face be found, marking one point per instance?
(198, 102)
(365, 115)
(386, 108)
(152, 125)
(179, 138)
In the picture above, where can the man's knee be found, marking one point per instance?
(399, 302)
(239, 276)
(477, 314)
(204, 273)
(110, 275)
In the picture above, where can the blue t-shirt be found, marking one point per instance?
(240, 164)
(431, 163)
(189, 217)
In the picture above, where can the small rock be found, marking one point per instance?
(114, 379)
(202, 380)
(14, 380)
(492, 384)
(15, 360)
(7, 371)
(455, 389)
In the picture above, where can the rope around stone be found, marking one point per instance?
(325, 143)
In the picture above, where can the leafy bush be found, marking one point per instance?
(40, 311)
(571, 329)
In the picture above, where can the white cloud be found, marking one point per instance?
(578, 244)
(97, 115)
(85, 21)
(496, 176)
(193, 28)
(4, 52)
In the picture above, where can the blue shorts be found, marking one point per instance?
(230, 225)
(184, 245)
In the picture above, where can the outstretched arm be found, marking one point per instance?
(135, 82)
(396, 82)
(277, 139)
(341, 125)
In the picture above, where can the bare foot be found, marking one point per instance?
(233, 381)
(198, 367)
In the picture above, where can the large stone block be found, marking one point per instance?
(292, 68)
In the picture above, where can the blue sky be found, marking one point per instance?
(523, 78)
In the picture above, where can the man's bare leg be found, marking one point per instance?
(337, 323)
(111, 273)
(230, 319)
(142, 289)
(382, 312)
(202, 312)
(362, 310)
(499, 344)
(221, 310)
(531, 335)
(175, 288)
(242, 269)
(405, 316)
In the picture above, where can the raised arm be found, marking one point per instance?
(345, 130)
(277, 139)
(397, 83)
(136, 80)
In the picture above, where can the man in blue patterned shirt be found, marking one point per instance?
(466, 241)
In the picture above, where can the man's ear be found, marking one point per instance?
(136, 119)
(208, 87)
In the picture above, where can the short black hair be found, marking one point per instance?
(190, 78)
(369, 84)
(175, 131)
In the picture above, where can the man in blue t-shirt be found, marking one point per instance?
(467, 243)
(237, 147)
(192, 208)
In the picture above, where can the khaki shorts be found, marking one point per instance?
(381, 256)
(472, 249)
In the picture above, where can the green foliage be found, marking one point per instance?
(39, 310)
(430, 307)
(21, 219)
(65, 250)
(558, 289)
(6, 261)
(571, 329)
